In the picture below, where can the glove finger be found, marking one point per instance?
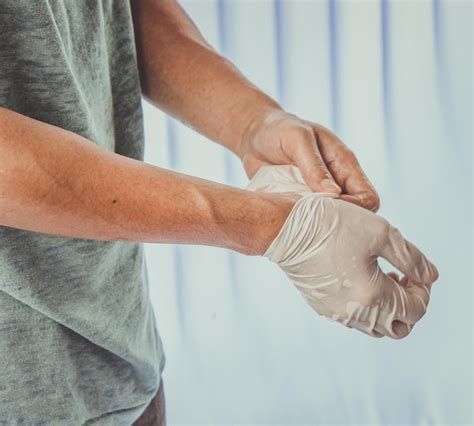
(400, 307)
(395, 330)
(407, 258)
(356, 317)
(364, 327)
(360, 317)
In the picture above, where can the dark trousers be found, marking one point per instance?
(154, 415)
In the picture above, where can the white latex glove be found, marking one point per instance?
(329, 248)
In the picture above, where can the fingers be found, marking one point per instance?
(307, 157)
(394, 276)
(367, 200)
(403, 282)
(392, 309)
(345, 168)
(364, 326)
(406, 257)
(402, 302)
(394, 329)
(401, 307)
(359, 189)
(364, 329)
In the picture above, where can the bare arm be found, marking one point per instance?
(56, 182)
(183, 75)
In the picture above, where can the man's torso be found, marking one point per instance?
(77, 332)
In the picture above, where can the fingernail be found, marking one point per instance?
(330, 186)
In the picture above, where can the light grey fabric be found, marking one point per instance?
(78, 337)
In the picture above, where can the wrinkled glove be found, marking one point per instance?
(329, 248)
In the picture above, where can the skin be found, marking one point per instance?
(106, 196)
(189, 80)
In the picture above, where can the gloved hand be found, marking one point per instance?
(329, 248)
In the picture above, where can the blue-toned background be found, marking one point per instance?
(394, 80)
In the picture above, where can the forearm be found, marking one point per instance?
(56, 182)
(181, 74)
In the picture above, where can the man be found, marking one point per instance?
(78, 342)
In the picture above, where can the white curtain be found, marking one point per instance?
(394, 80)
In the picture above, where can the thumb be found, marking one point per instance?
(307, 157)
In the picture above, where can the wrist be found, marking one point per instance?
(271, 215)
(256, 120)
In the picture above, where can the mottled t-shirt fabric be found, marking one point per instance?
(78, 336)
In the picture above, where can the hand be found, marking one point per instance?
(326, 164)
(329, 249)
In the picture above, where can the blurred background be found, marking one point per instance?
(394, 80)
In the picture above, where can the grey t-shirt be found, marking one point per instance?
(78, 337)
